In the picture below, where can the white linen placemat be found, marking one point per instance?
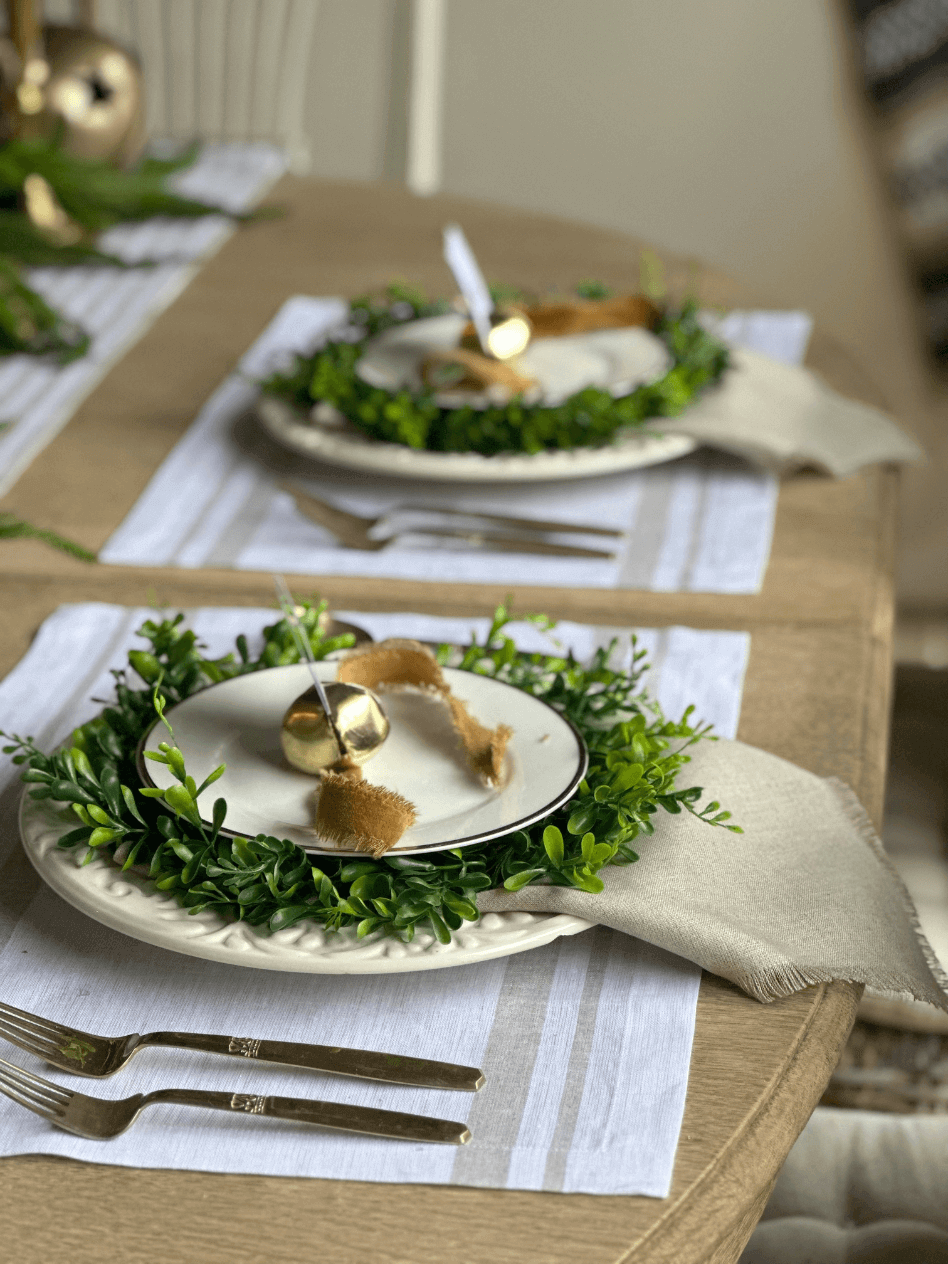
(702, 524)
(38, 396)
(585, 1043)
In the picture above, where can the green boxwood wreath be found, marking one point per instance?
(591, 418)
(636, 755)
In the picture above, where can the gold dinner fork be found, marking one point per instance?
(99, 1118)
(354, 532)
(82, 1053)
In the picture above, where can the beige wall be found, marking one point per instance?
(350, 88)
(714, 127)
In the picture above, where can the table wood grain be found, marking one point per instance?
(817, 693)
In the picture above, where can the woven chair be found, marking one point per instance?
(867, 1181)
(859, 1187)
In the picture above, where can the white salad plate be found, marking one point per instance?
(237, 723)
(614, 360)
(133, 906)
(618, 360)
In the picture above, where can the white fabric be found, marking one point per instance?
(784, 418)
(115, 306)
(859, 1186)
(806, 1240)
(225, 72)
(585, 1043)
(856, 1166)
(703, 524)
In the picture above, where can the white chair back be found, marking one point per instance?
(221, 70)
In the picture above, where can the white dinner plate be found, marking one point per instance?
(133, 906)
(355, 451)
(237, 723)
(612, 359)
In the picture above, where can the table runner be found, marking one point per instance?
(701, 524)
(585, 1043)
(116, 306)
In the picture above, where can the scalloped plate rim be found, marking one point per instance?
(128, 904)
(284, 423)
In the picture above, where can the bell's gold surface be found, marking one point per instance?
(46, 214)
(307, 737)
(29, 93)
(91, 88)
(510, 333)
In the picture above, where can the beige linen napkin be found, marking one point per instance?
(783, 417)
(805, 895)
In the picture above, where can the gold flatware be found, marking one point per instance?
(96, 1056)
(507, 520)
(354, 532)
(99, 1119)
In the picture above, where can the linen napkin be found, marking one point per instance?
(585, 1043)
(781, 416)
(38, 396)
(805, 895)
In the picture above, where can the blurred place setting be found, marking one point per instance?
(473, 625)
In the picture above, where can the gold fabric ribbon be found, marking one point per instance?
(466, 368)
(354, 813)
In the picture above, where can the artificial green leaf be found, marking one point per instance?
(254, 879)
(553, 844)
(518, 880)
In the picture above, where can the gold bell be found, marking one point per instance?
(94, 92)
(510, 333)
(307, 737)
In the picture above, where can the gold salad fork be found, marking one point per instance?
(354, 532)
(96, 1056)
(99, 1118)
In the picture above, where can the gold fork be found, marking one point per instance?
(99, 1118)
(353, 531)
(83, 1053)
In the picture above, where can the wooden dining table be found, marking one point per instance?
(816, 693)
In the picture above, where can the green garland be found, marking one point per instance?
(635, 757)
(14, 528)
(590, 418)
(28, 323)
(95, 195)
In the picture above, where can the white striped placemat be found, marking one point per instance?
(702, 524)
(115, 306)
(585, 1043)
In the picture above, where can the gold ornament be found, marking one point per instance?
(510, 333)
(46, 214)
(72, 83)
(94, 90)
(308, 740)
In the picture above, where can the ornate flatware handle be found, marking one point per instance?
(338, 1116)
(362, 1063)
